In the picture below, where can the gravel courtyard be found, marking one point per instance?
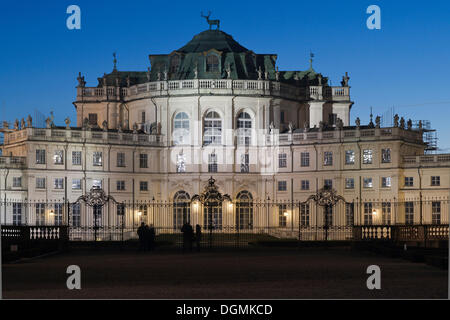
(269, 273)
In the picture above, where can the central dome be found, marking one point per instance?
(212, 39)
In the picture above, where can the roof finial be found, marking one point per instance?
(311, 56)
(115, 62)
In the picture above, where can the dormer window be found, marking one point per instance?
(212, 63)
(174, 63)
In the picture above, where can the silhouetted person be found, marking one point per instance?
(198, 236)
(188, 234)
(151, 237)
(141, 231)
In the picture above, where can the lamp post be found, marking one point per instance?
(209, 198)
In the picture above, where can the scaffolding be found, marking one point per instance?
(429, 135)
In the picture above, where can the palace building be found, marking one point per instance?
(272, 140)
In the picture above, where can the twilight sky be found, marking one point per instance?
(404, 66)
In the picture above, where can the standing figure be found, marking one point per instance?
(188, 234)
(198, 236)
(151, 238)
(141, 234)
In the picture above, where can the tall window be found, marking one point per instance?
(58, 157)
(181, 209)
(367, 156)
(40, 156)
(143, 117)
(143, 160)
(174, 63)
(181, 163)
(59, 183)
(93, 119)
(76, 215)
(409, 212)
(97, 158)
(76, 158)
(212, 216)
(40, 214)
(244, 129)
(328, 183)
(349, 157)
(386, 212)
(76, 184)
(386, 182)
(304, 159)
(244, 210)
(212, 63)
(17, 182)
(305, 185)
(212, 128)
(143, 185)
(349, 183)
(367, 182)
(368, 213)
(282, 160)
(245, 167)
(97, 211)
(120, 185)
(40, 183)
(282, 215)
(181, 133)
(58, 214)
(436, 212)
(282, 185)
(349, 207)
(328, 158)
(385, 155)
(304, 214)
(17, 214)
(212, 162)
(120, 159)
(409, 181)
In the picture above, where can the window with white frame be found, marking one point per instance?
(17, 182)
(59, 183)
(245, 167)
(349, 157)
(368, 212)
(76, 184)
(58, 157)
(143, 185)
(212, 128)
(40, 156)
(282, 215)
(435, 181)
(120, 185)
(212, 162)
(386, 155)
(409, 181)
(386, 182)
(181, 163)
(409, 212)
(97, 158)
(143, 160)
(212, 63)
(436, 212)
(76, 158)
(76, 214)
(181, 132)
(282, 160)
(367, 156)
(349, 209)
(305, 184)
(40, 183)
(328, 158)
(58, 214)
(304, 214)
(120, 159)
(282, 185)
(367, 183)
(40, 214)
(386, 212)
(17, 214)
(349, 183)
(304, 159)
(244, 129)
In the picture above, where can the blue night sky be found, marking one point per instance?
(404, 65)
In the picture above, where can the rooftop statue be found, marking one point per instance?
(211, 22)
(378, 121)
(358, 122)
(409, 124)
(29, 121)
(402, 123)
(67, 122)
(148, 74)
(396, 120)
(345, 79)
(81, 82)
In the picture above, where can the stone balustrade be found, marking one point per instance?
(431, 160)
(213, 86)
(12, 162)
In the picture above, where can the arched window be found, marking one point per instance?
(212, 63)
(212, 216)
(174, 63)
(244, 128)
(212, 128)
(181, 209)
(181, 133)
(244, 210)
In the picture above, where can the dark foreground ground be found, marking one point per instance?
(258, 273)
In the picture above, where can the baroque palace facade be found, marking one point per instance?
(215, 108)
